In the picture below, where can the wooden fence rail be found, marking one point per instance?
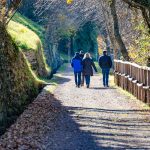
(133, 78)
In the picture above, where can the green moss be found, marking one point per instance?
(39, 30)
(43, 59)
(23, 37)
(54, 82)
(19, 85)
(29, 36)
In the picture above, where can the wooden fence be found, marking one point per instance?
(133, 78)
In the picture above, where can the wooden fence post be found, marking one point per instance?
(133, 78)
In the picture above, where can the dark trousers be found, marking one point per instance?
(82, 78)
(87, 79)
(77, 76)
(105, 72)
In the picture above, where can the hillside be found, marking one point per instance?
(25, 38)
(39, 30)
(29, 37)
(18, 85)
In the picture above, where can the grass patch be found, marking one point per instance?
(39, 30)
(22, 36)
(133, 98)
(129, 95)
(98, 67)
(28, 35)
(53, 83)
(63, 67)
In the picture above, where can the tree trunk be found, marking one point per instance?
(146, 16)
(148, 61)
(110, 30)
(144, 6)
(69, 50)
(117, 32)
(72, 45)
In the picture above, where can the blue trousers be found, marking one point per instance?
(87, 79)
(77, 76)
(105, 72)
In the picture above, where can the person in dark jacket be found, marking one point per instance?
(81, 54)
(105, 63)
(88, 66)
(82, 75)
(76, 63)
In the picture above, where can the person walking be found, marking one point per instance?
(105, 64)
(81, 54)
(76, 64)
(82, 76)
(88, 66)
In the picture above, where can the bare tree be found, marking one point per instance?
(144, 6)
(106, 14)
(117, 31)
(7, 9)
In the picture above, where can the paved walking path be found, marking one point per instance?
(81, 119)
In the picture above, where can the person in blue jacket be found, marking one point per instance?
(105, 63)
(76, 64)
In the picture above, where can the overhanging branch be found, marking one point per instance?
(15, 6)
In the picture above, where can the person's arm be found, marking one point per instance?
(93, 65)
(72, 63)
(100, 62)
(110, 62)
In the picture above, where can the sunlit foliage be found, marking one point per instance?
(69, 2)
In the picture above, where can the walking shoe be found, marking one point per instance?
(87, 86)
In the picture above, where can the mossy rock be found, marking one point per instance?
(18, 85)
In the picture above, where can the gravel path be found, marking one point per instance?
(98, 118)
(80, 119)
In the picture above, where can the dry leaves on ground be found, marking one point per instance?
(26, 133)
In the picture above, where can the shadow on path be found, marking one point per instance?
(87, 120)
(60, 79)
(113, 129)
(65, 121)
(66, 134)
(96, 132)
(102, 88)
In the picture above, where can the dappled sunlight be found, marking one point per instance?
(57, 91)
(110, 118)
(118, 128)
(24, 37)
